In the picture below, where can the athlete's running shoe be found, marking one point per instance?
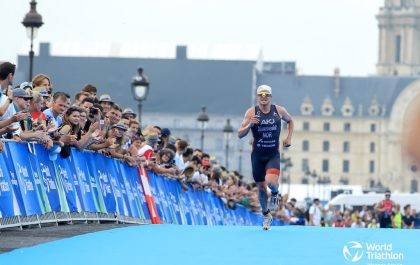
(267, 220)
(274, 202)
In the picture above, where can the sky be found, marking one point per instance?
(319, 35)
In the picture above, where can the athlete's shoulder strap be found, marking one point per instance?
(274, 108)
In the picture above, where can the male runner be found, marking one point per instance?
(264, 121)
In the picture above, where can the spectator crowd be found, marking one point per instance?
(34, 111)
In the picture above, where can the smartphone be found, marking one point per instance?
(101, 124)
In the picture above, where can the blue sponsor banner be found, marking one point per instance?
(133, 177)
(130, 191)
(140, 194)
(24, 175)
(101, 170)
(65, 179)
(172, 188)
(164, 200)
(94, 182)
(156, 196)
(8, 203)
(118, 189)
(82, 175)
(121, 180)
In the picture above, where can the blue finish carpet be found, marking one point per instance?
(217, 245)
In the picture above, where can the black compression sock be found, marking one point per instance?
(267, 212)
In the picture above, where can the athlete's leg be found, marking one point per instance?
(263, 196)
(258, 172)
(272, 180)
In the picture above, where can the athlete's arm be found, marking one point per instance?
(285, 116)
(248, 122)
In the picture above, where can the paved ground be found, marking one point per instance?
(13, 238)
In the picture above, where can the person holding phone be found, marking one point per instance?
(264, 121)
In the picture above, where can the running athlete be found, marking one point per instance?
(264, 121)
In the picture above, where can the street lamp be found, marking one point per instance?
(227, 130)
(202, 119)
(32, 22)
(140, 89)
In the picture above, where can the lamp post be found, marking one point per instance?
(240, 160)
(202, 119)
(285, 163)
(140, 89)
(32, 22)
(227, 130)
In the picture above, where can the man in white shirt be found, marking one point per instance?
(315, 213)
(58, 108)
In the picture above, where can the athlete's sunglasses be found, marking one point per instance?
(264, 94)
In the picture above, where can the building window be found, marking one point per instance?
(305, 165)
(346, 147)
(346, 166)
(372, 147)
(326, 126)
(371, 166)
(326, 146)
(347, 127)
(398, 49)
(373, 127)
(306, 126)
(325, 165)
(305, 145)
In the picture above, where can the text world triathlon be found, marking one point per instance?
(382, 252)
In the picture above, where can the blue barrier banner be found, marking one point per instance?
(118, 190)
(139, 194)
(156, 196)
(94, 182)
(102, 173)
(24, 176)
(8, 203)
(125, 192)
(134, 180)
(45, 186)
(82, 173)
(209, 207)
(134, 211)
(174, 200)
(65, 180)
(161, 188)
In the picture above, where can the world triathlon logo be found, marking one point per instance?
(353, 251)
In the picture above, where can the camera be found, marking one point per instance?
(170, 164)
(93, 111)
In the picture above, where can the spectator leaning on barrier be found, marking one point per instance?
(35, 107)
(43, 93)
(114, 114)
(106, 103)
(57, 109)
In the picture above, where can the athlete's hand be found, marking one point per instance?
(254, 120)
(287, 142)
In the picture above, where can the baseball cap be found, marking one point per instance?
(105, 98)
(25, 85)
(264, 89)
(21, 93)
(151, 139)
(128, 111)
(120, 126)
(165, 132)
(41, 90)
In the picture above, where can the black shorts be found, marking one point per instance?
(263, 165)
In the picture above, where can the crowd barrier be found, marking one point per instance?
(88, 186)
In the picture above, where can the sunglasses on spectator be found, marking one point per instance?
(26, 99)
(387, 195)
